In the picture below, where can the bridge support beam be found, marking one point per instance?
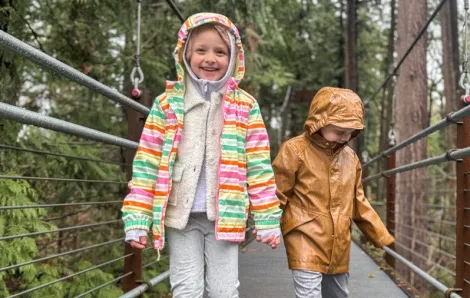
(462, 280)
(135, 125)
(390, 209)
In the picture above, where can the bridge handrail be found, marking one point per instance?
(28, 117)
(450, 119)
(136, 292)
(7, 147)
(26, 51)
(431, 280)
(454, 155)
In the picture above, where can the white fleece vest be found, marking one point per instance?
(195, 177)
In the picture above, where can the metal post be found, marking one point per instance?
(391, 188)
(365, 173)
(462, 279)
(135, 125)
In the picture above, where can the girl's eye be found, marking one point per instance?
(200, 51)
(221, 53)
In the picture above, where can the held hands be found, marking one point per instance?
(142, 243)
(271, 240)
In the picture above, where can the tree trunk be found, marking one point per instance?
(350, 53)
(450, 70)
(283, 115)
(341, 40)
(411, 117)
(387, 100)
(350, 60)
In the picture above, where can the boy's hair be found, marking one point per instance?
(220, 29)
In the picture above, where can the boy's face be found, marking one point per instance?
(336, 134)
(210, 55)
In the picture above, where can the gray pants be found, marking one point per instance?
(311, 284)
(194, 249)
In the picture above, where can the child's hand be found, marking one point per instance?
(141, 244)
(271, 240)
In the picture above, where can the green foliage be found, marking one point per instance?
(17, 222)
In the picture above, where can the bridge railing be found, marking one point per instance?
(133, 269)
(434, 234)
(137, 109)
(446, 231)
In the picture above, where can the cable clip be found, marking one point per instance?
(464, 83)
(365, 156)
(391, 137)
(136, 93)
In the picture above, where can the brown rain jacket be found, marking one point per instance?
(319, 186)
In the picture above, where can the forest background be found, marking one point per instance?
(293, 48)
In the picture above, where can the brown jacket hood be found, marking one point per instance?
(336, 106)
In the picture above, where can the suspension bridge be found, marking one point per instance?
(263, 272)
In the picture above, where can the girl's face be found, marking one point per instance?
(336, 134)
(210, 55)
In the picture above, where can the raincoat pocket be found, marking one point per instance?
(295, 216)
(178, 171)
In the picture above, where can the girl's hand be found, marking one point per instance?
(141, 244)
(271, 240)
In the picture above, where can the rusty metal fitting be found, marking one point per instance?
(450, 158)
(449, 119)
(139, 281)
(449, 292)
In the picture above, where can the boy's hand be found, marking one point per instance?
(271, 240)
(141, 244)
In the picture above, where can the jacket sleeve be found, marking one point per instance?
(260, 176)
(138, 204)
(285, 167)
(365, 216)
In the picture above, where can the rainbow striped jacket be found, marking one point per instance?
(246, 178)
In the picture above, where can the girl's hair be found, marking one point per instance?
(220, 29)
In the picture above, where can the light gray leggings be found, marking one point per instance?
(192, 248)
(311, 284)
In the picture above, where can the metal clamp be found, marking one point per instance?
(449, 291)
(450, 158)
(391, 137)
(384, 175)
(365, 156)
(464, 81)
(449, 119)
(140, 78)
(139, 281)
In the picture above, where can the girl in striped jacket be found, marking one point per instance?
(203, 162)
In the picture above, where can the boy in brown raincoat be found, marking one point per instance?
(319, 185)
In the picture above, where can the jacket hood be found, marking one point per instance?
(336, 106)
(198, 20)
